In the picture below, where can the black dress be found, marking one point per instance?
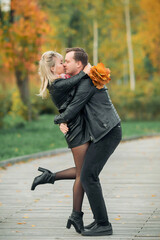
(62, 92)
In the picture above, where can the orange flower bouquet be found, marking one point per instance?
(100, 75)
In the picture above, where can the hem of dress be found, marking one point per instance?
(77, 145)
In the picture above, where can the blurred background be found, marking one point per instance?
(124, 35)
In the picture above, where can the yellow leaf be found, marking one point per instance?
(25, 217)
(21, 223)
(33, 225)
(153, 195)
(117, 219)
(36, 200)
(0, 204)
(66, 196)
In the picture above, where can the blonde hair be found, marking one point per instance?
(48, 60)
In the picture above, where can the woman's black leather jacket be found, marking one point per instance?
(63, 90)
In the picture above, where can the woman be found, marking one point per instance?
(62, 89)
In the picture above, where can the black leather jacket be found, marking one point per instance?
(99, 112)
(63, 90)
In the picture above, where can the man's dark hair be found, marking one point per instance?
(79, 54)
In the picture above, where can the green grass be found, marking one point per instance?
(36, 136)
(131, 129)
(43, 135)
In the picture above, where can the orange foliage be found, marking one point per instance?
(100, 75)
(24, 36)
(151, 29)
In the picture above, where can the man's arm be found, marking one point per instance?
(84, 92)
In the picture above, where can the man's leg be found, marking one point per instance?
(95, 159)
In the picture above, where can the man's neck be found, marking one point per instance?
(78, 71)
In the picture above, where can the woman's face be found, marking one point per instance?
(59, 68)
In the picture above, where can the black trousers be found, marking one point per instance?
(95, 159)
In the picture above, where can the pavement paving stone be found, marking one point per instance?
(130, 182)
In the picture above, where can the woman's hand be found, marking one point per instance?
(63, 127)
(87, 68)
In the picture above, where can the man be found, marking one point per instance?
(104, 127)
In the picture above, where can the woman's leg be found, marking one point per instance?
(78, 192)
(49, 177)
(69, 173)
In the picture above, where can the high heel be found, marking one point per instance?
(76, 220)
(69, 224)
(46, 177)
(43, 169)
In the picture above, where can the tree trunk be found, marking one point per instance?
(95, 42)
(23, 85)
(129, 43)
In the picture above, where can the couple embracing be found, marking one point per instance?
(92, 130)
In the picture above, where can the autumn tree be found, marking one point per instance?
(23, 31)
(150, 32)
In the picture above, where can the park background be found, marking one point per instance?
(124, 35)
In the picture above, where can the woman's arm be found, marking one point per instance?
(84, 92)
(69, 83)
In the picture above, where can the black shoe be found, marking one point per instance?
(46, 177)
(89, 226)
(98, 230)
(76, 220)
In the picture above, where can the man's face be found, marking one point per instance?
(71, 66)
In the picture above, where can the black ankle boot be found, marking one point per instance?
(46, 177)
(76, 220)
(98, 230)
(89, 226)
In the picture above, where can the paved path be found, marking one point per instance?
(131, 186)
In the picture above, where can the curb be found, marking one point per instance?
(11, 161)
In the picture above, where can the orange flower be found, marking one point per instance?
(100, 75)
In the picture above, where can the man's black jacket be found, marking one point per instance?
(99, 112)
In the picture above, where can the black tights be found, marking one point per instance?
(74, 173)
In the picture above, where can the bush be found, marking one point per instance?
(5, 103)
(141, 104)
(17, 114)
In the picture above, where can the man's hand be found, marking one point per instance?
(63, 127)
(87, 68)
